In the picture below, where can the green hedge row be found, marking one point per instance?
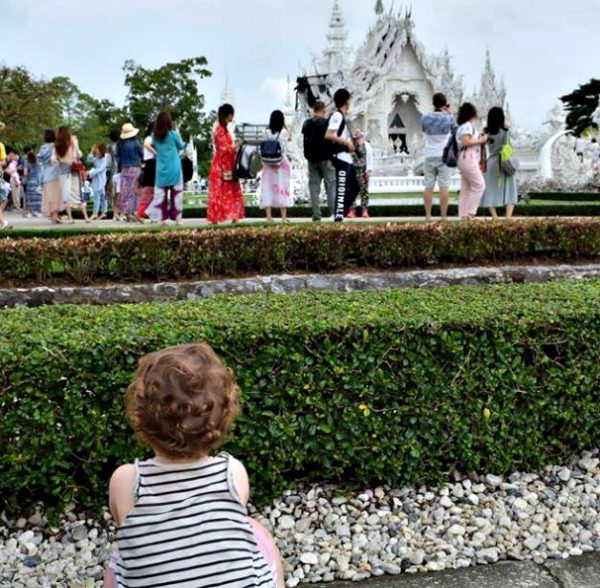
(566, 196)
(265, 250)
(363, 388)
(416, 210)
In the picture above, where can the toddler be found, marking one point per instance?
(12, 170)
(181, 516)
(98, 159)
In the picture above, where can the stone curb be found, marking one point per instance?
(578, 572)
(288, 284)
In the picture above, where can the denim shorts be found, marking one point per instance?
(435, 170)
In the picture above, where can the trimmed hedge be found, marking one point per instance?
(417, 210)
(265, 250)
(566, 196)
(364, 388)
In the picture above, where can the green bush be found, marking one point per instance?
(363, 388)
(566, 196)
(417, 210)
(172, 255)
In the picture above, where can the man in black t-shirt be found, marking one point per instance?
(320, 168)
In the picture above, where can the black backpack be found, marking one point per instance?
(316, 147)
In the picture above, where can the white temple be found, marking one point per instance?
(393, 79)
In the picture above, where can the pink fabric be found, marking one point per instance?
(275, 188)
(472, 186)
(265, 544)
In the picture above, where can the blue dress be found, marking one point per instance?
(168, 161)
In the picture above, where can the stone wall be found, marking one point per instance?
(166, 292)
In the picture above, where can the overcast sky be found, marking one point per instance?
(543, 48)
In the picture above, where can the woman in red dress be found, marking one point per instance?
(225, 199)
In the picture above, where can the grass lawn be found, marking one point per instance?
(194, 200)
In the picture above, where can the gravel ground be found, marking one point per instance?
(326, 535)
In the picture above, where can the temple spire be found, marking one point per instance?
(227, 96)
(336, 53)
(379, 8)
(492, 91)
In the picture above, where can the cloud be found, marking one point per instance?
(275, 89)
(542, 48)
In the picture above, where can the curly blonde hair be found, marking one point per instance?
(183, 401)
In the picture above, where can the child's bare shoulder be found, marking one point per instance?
(121, 491)
(240, 479)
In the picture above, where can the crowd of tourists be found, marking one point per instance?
(143, 181)
(139, 181)
(337, 156)
(341, 159)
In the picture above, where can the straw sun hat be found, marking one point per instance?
(128, 131)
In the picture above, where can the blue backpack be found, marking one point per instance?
(270, 152)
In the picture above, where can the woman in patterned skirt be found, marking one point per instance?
(225, 199)
(130, 156)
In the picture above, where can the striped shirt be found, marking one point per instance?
(189, 529)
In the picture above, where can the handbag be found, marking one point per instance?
(509, 164)
(187, 169)
(77, 164)
(483, 160)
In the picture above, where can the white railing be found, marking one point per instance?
(405, 184)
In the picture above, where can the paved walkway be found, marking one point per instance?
(581, 572)
(18, 222)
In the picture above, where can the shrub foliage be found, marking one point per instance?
(364, 388)
(204, 254)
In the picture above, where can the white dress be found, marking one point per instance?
(275, 180)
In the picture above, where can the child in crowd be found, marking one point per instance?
(33, 185)
(182, 515)
(12, 171)
(363, 163)
(98, 159)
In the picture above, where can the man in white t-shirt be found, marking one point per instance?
(437, 127)
(338, 132)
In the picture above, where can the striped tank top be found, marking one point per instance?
(189, 529)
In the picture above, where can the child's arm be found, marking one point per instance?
(121, 499)
(99, 167)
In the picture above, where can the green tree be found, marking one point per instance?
(27, 106)
(173, 87)
(110, 115)
(90, 119)
(581, 105)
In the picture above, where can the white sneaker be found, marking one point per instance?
(5, 225)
